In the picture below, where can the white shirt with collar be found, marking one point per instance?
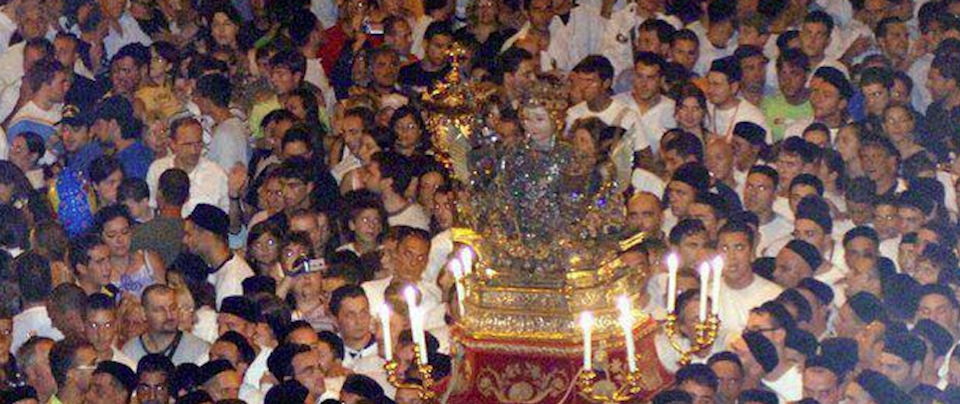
(441, 246)
(376, 289)
(130, 33)
(34, 321)
(208, 184)
(572, 41)
(616, 114)
(372, 367)
(351, 357)
(228, 279)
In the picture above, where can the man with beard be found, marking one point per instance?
(162, 336)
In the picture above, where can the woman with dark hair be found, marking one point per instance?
(14, 185)
(691, 110)
(134, 270)
(263, 249)
(50, 240)
(410, 133)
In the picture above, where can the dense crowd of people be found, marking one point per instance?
(209, 201)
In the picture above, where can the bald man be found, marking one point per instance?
(719, 160)
(645, 214)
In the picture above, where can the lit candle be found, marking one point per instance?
(586, 322)
(457, 269)
(466, 256)
(387, 337)
(717, 265)
(626, 322)
(673, 265)
(704, 280)
(416, 322)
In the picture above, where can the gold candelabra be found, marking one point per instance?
(705, 335)
(424, 370)
(607, 390)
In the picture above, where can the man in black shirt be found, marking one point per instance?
(434, 66)
(943, 116)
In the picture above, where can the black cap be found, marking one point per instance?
(211, 218)
(809, 253)
(288, 392)
(940, 339)
(18, 393)
(822, 291)
(240, 306)
(762, 350)
(213, 368)
(905, 346)
(693, 174)
(837, 79)
(120, 372)
(817, 210)
(881, 389)
(751, 132)
(758, 396)
(802, 341)
(259, 283)
(281, 359)
(867, 307)
(794, 298)
(841, 351)
(75, 117)
(362, 386)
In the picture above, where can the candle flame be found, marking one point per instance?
(586, 320)
(716, 263)
(673, 262)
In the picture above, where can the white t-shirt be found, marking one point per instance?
(656, 121)
(229, 145)
(722, 122)
(228, 279)
(735, 305)
(769, 233)
(709, 52)
(615, 114)
(413, 215)
(34, 321)
(789, 387)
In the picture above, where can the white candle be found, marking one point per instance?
(387, 337)
(673, 264)
(416, 322)
(466, 256)
(704, 280)
(626, 322)
(457, 269)
(586, 322)
(717, 265)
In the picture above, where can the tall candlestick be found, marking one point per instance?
(717, 265)
(626, 322)
(586, 322)
(387, 337)
(673, 266)
(466, 258)
(456, 267)
(704, 280)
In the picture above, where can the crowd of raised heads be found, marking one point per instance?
(208, 201)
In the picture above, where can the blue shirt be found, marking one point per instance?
(80, 161)
(135, 160)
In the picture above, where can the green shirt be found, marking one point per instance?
(780, 114)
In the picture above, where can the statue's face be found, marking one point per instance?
(538, 123)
